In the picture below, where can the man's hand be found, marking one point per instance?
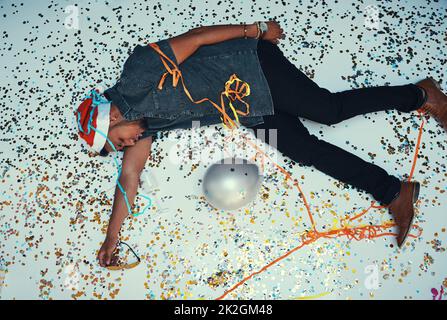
(274, 32)
(105, 254)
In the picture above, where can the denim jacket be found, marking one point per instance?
(204, 74)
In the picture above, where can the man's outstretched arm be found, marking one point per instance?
(186, 44)
(134, 160)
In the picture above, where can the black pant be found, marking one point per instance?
(295, 95)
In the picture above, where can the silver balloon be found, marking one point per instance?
(231, 183)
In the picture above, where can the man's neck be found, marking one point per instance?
(140, 122)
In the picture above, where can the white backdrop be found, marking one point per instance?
(56, 197)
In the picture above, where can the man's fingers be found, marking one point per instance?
(114, 260)
(108, 258)
(101, 258)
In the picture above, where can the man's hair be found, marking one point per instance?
(103, 152)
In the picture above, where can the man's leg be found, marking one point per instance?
(338, 106)
(295, 142)
(294, 93)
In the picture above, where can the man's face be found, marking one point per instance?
(123, 134)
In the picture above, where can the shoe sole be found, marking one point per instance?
(416, 188)
(436, 83)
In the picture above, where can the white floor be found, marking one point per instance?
(56, 198)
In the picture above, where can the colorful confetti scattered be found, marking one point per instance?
(56, 197)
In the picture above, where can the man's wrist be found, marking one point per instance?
(252, 30)
(111, 237)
